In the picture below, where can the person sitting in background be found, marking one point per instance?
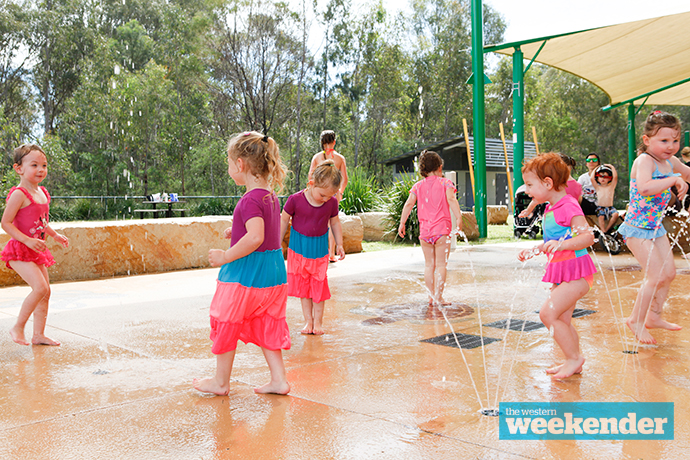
(604, 180)
(589, 194)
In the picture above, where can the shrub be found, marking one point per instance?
(214, 207)
(359, 195)
(395, 197)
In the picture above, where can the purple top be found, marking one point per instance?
(307, 219)
(258, 203)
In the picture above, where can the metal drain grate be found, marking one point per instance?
(516, 325)
(579, 312)
(466, 341)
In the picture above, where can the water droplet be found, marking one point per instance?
(116, 69)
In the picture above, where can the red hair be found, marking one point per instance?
(549, 165)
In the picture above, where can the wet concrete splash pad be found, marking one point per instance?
(120, 385)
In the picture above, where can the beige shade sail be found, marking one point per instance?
(627, 61)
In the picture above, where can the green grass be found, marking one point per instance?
(495, 234)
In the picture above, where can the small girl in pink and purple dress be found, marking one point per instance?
(312, 211)
(26, 220)
(435, 199)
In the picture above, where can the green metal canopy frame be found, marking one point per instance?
(646, 60)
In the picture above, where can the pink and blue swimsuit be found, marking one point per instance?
(565, 266)
(645, 214)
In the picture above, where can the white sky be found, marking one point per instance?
(538, 18)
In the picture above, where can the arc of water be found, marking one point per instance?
(505, 343)
(621, 334)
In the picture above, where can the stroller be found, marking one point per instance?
(531, 225)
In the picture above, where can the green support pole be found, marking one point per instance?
(518, 118)
(632, 148)
(478, 122)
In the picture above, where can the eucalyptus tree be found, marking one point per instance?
(442, 45)
(16, 104)
(255, 65)
(60, 37)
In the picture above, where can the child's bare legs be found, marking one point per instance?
(557, 313)
(441, 253)
(278, 384)
(435, 262)
(220, 383)
(313, 316)
(429, 252)
(657, 263)
(36, 303)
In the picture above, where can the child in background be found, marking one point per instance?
(566, 239)
(312, 210)
(435, 199)
(329, 153)
(251, 294)
(655, 171)
(604, 181)
(25, 220)
(589, 195)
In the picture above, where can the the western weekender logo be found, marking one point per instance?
(585, 420)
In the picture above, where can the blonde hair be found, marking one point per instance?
(25, 149)
(262, 156)
(327, 175)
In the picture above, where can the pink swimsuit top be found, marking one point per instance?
(33, 219)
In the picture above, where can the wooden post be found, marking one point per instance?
(469, 154)
(534, 136)
(505, 153)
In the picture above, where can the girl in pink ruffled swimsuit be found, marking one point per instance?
(566, 239)
(26, 220)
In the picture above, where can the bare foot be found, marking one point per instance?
(318, 330)
(211, 386)
(641, 334)
(43, 340)
(18, 336)
(658, 323)
(308, 329)
(555, 369)
(444, 303)
(568, 368)
(281, 388)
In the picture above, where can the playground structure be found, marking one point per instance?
(608, 57)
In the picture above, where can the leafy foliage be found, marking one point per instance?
(359, 195)
(394, 200)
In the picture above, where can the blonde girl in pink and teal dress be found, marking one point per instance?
(312, 211)
(435, 199)
(25, 220)
(655, 171)
(251, 293)
(566, 239)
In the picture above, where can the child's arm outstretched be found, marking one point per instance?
(337, 230)
(407, 209)
(454, 208)
(249, 243)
